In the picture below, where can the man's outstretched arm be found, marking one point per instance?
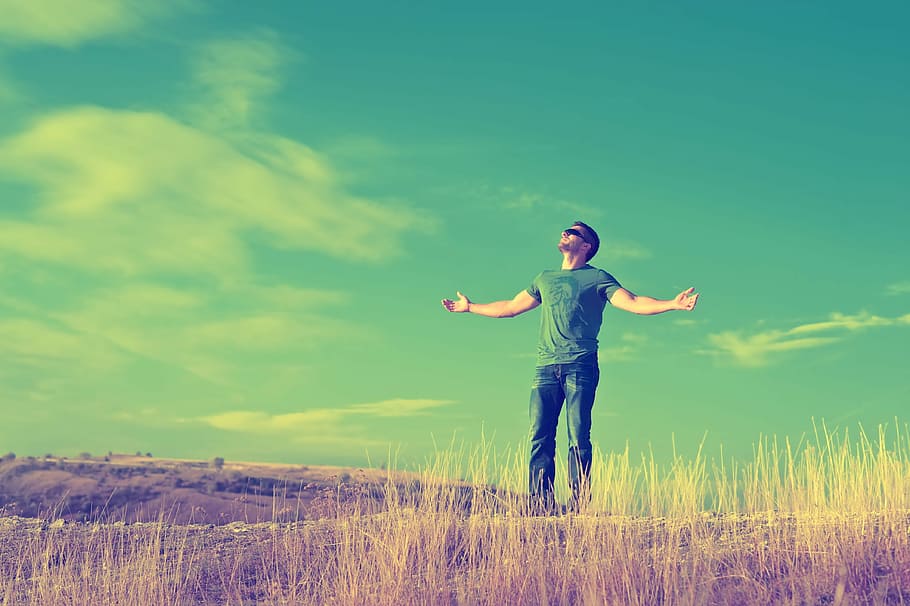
(500, 309)
(647, 306)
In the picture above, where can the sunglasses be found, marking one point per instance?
(574, 232)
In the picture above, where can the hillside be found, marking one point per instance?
(140, 488)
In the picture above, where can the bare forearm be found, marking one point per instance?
(521, 303)
(497, 309)
(649, 306)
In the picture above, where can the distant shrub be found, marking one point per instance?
(10, 456)
(218, 463)
(85, 456)
(148, 454)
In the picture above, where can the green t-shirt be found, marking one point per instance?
(572, 305)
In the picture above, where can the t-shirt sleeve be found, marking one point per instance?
(534, 288)
(607, 285)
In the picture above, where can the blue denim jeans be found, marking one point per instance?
(573, 384)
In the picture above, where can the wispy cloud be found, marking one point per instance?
(839, 321)
(127, 201)
(138, 192)
(615, 250)
(685, 321)
(515, 198)
(625, 348)
(398, 407)
(233, 77)
(509, 197)
(628, 348)
(758, 349)
(61, 23)
(264, 331)
(261, 341)
(316, 421)
(187, 329)
(30, 342)
(754, 350)
(898, 288)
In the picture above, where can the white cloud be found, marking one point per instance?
(619, 353)
(843, 321)
(323, 428)
(685, 321)
(898, 288)
(318, 420)
(137, 192)
(145, 299)
(757, 349)
(628, 348)
(261, 422)
(754, 350)
(242, 337)
(513, 198)
(232, 78)
(140, 197)
(263, 331)
(184, 328)
(616, 250)
(63, 23)
(31, 342)
(126, 201)
(398, 407)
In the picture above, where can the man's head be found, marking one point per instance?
(580, 236)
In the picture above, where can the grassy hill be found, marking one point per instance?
(829, 524)
(133, 488)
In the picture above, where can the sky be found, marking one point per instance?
(226, 227)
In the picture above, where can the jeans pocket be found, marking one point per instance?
(543, 376)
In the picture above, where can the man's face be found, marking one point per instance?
(573, 240)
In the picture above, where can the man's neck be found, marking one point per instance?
(570, 261)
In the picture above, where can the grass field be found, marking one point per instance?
(823, 522)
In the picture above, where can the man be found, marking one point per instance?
(573, 300)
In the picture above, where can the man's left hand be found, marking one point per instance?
(685, 300)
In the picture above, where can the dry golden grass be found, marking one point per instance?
(827, 522)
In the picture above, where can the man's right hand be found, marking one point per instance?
(459, 306)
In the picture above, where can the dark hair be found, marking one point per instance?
(592, 235)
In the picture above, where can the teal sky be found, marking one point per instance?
(225, 228)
